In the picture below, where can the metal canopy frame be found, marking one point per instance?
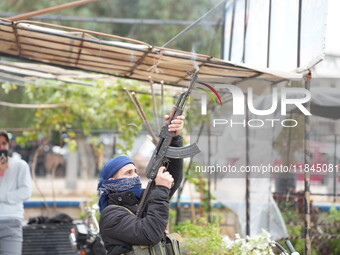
(115, 55)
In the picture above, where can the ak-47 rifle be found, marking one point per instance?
(163, 149)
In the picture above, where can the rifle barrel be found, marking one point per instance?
(188, 92)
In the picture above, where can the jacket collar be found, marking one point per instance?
(126, 199)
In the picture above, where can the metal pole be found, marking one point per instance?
(141, 114)
(215, 174)
(299, 35)
(232, 31)
(290, 183)
(224, 18)
(269, 27)
(245, 30)
(113, 20)
(162, 98)
(50, 9)
(247, 174)
(209, 174)
(154, 105)
(186, 175)
(114, 146)
(307, 234)
(334, 170)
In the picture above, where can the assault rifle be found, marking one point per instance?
(163, 149)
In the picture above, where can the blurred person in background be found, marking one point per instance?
(15, 187)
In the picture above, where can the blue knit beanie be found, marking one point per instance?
(113, 165)
(110, 169)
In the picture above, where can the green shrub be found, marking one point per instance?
(201, 237)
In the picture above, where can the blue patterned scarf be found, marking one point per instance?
(119, 185)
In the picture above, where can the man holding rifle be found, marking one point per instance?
(121, 230)
(134, 221)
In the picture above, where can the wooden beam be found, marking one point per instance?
(31, 106)
(50, 9)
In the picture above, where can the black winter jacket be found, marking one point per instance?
(120, 229)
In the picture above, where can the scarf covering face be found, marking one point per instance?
(121, 185)
(106, 186)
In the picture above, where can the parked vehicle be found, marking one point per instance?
(85, 238)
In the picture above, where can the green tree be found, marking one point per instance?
(14, 117)
(103, 106)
